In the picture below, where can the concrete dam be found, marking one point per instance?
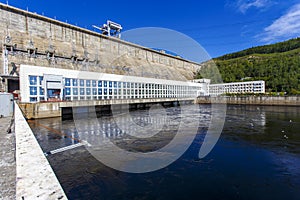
(31, 39)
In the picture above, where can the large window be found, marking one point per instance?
(33, 80)
(86, 89)
(36, 92)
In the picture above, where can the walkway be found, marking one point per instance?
(7, 161)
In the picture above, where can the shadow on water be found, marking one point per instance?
(257, 157)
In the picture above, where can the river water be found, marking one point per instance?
(256, 157)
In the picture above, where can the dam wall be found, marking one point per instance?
(32, 39)
(35, 177)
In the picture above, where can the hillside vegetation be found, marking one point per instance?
(277, 64)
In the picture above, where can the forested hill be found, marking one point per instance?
(266, 49)
(277, 64)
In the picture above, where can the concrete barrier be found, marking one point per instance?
(35, 177)
(54, 109)
(255, 100)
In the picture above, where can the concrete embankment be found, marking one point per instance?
(7, 160)
(254, 100)
(34, 175)
(57, 109)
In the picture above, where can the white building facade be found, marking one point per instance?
(39, 84)
(54, 84)
(253, 87)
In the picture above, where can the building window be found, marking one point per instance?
(33, 80)
(88, 83)
(33, 99)
(94, 84)
(67, 82)
(75, 82)
(75, 91)
(41, 91)
(41, 80)
(88, 91)
(94, 91)
(81, 82)
(99, 83)
(33, 90)
(81, 91)
(68, 91)
(105, 83)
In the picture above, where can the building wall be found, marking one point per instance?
(237, 88)
(32, 36)
(100, 86)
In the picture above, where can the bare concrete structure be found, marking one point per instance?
(253, 100)
(32, 39)
(35, 177)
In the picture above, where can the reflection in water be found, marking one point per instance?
(257, 157)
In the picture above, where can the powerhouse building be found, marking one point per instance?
(39, 84)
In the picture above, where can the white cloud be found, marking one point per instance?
(244, 5)
(285, 27)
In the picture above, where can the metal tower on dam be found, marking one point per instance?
(31, 39)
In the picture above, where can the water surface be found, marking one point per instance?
(256, 157)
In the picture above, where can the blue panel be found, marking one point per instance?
(67, 82)
(32, 80)
(82, 91)
(81, 82)
(33, 90)
(75, 91)
(88, 83)
(75, 82)
(94, 83)
(41, 91)
(94, 91)
(88, 91)
(99, 83)
(68, 91)
(41, 79)
(33, 99)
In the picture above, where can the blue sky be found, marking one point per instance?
(220, 26)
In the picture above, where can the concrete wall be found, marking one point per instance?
(81, 49)
(35, 177)
(53, 109)
(255, 100)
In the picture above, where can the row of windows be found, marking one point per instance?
(114, 84)
(35, 80)
(80, 89)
